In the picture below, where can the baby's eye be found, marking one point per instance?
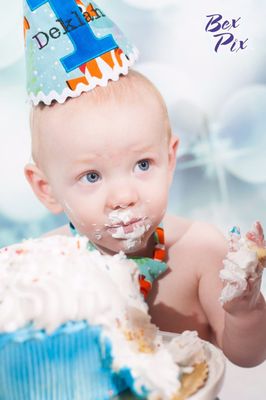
(143, 165)
(90, 177)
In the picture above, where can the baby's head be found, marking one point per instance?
(106, 159)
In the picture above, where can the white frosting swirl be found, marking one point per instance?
(187, 349)
(50, 281)
(239, 265)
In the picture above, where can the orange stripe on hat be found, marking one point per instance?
(73, 83)
(118, 53)
(26, 27)
(93, 13)
(79, 3)
(107, 57)
(93, 68)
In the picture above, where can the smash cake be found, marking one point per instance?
(246, 259)
(74, 325)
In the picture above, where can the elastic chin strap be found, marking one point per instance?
(72, 229)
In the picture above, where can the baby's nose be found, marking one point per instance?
(122, 196)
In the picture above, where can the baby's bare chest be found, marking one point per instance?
(174, 303)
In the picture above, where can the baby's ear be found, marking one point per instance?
(173, 146)
(42, 188)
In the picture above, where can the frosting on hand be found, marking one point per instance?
(243, 261)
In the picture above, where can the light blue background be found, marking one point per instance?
(216, 102)
(217, 105)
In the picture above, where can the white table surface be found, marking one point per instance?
(244, 383)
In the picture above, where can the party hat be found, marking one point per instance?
(71, 46)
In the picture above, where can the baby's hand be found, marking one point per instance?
(257, 242)
(249, 299)
(242, 273)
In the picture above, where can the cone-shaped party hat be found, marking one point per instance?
(71, 46)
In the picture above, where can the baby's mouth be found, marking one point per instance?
(127, 227)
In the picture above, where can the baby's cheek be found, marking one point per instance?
(156, 189)
(156, 206)
(78, 212)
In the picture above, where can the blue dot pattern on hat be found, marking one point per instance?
(71, 47)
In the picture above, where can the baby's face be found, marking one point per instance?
(110, 166)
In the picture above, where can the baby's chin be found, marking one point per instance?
(127, 246)
(120, 245)
(131, 248)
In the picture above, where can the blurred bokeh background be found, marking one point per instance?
(216, 102)
(217, 106)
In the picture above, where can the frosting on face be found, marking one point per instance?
(124, 216)
(51, 281)
(125, 225)
(133, 238)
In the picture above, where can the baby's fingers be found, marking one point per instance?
(254, 283)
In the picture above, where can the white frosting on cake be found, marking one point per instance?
(240, 264)
(186, 349)
(51, 281)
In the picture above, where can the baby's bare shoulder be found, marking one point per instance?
(62, 230)
(203, 242)
(205, 236)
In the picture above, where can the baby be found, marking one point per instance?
(106, 159)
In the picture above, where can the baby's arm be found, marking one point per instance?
(240, 325)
